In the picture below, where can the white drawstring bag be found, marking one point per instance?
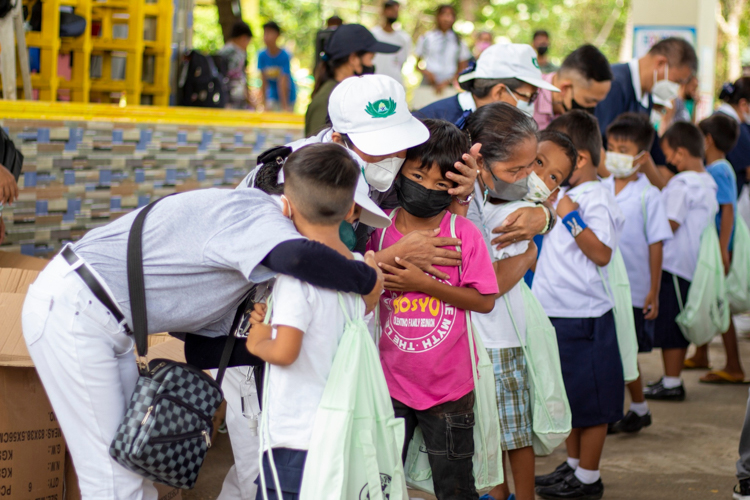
(618, 292)
(551, 418)
(706, 312)
(355, 448)
(738, 279)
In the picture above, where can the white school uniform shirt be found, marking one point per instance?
(441, 53)
(295, 391)
(690, 199)
(637, 233)
(566, 282)
(496, 327)
(391, 64)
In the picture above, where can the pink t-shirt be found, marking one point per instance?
(543, 113)
(424, 345)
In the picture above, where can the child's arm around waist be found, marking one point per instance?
(596, 251)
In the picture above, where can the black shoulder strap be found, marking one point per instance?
(245, 305)
(136, 284)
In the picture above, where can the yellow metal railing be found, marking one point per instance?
(36, 110)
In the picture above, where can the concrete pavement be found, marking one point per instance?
(688, 453)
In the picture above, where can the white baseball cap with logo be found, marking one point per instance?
(372, 111)
(509, 60)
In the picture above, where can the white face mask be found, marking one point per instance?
(538, 190)
(620, 165)
(665, 89)
(381, 175)
(656, 118)
(526, 107)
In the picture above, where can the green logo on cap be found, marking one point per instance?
(382, 108)
(536, 63)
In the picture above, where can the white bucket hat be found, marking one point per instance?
(372, 111)
(509, 60)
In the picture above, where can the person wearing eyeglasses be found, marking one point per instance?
(503, 73)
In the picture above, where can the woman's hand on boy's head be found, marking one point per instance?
(565, 206)
(408, 278)
(468, 168)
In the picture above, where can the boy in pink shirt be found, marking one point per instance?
(424, 339)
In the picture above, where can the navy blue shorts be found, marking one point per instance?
(289, 465)
(644, 331)
(667, 334)
(591, 369)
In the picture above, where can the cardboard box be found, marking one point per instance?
(32, 447)
(34, 463)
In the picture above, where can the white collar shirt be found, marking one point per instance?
(646, 223)
(441, 53)
(690, 200)
(567, 283)
(635, 73)
(466, 101)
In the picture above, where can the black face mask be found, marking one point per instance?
(420, 201)
(367, 70)
(391, 20)
(542, 49)
(575, 105)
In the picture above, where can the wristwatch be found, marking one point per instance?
(465, 202)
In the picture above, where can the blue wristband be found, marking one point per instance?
(574, 223)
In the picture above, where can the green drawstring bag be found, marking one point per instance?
(550, 410)
(618, 292)
(706, 312)
(355, 448)
(738, 279)
(487, 459)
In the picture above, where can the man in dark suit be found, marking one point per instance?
(670, 63)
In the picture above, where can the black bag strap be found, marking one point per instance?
(226, 354)
(136, 283)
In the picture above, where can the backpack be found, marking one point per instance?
(706, 312)
(738, 279)
(551, 418)
(200, 84)
(487, 459)
(355, 449)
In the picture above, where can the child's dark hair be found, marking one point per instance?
(685, 135)
(447, 145)
(320, 180)
(633, 127)
(240, 29)
(583, 130)
(500, 128)
(326, 69)
(724, 131)
(732, 93)
(273, 26)
(563, 142)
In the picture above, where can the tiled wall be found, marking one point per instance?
(81, 175)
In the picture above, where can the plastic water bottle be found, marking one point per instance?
(250, 404)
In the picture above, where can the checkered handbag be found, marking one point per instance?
(167, 427)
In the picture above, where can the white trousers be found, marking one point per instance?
(240, 481)
(87, 365)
